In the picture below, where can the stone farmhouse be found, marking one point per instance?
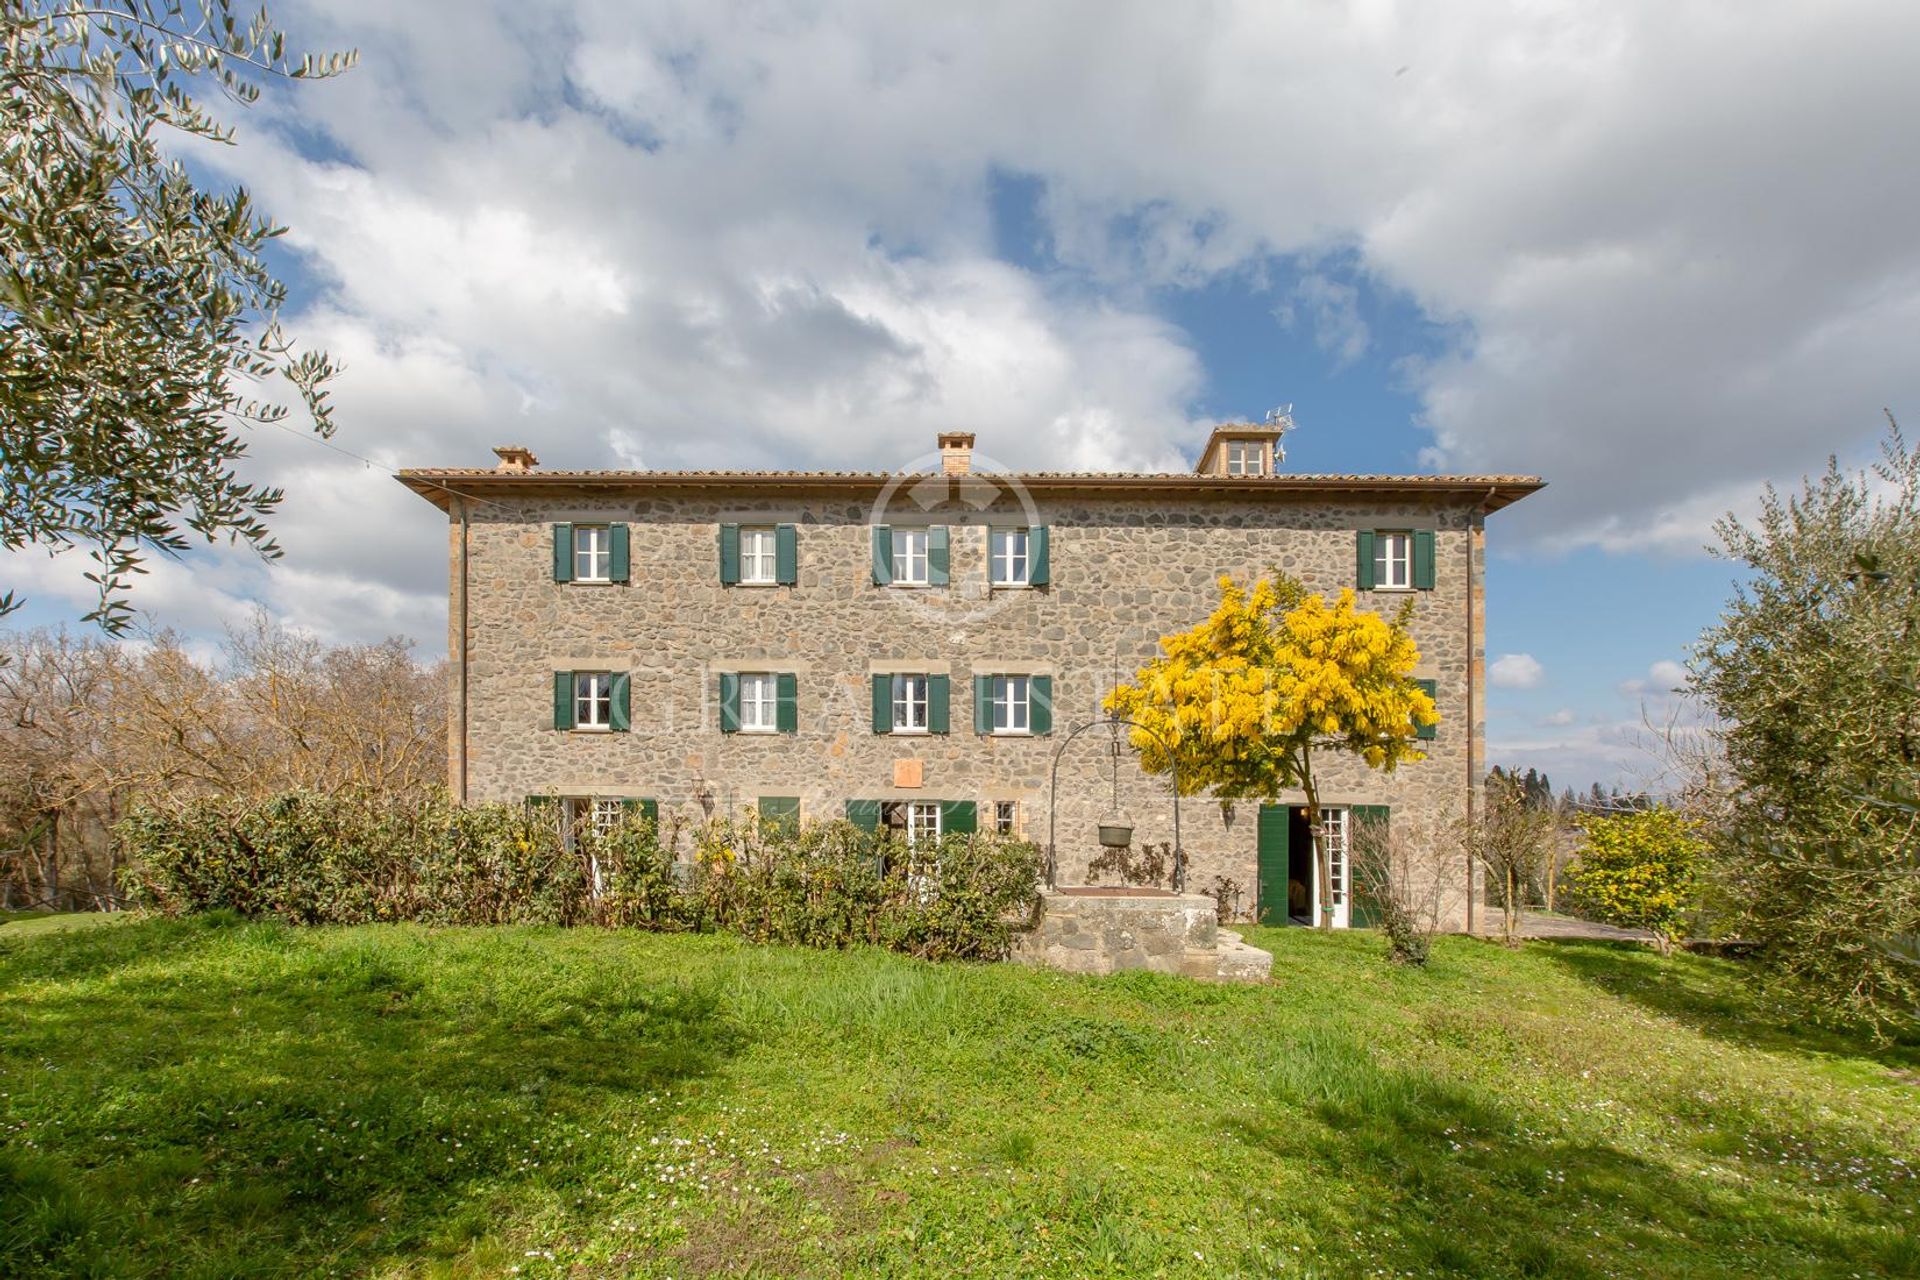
(907, 649)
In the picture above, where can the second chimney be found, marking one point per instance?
(956, 452)
(515, 459)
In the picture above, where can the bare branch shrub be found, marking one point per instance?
(1405, 897)
(1513, 841)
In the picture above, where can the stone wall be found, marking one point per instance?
(1124, 572)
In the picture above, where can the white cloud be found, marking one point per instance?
(1664, 679)
(1558, 719)
(1516, 671)
(1665, 240)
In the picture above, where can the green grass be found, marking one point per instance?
(211, 1098)
(17, 924)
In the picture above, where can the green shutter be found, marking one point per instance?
(779, 813)
(1037, 566)
(729, 702)
(864, 814)
(883, 704)
(563, 553)
(1040, 704)
(1428, 732)
(983, 704)
(938, 557)
(956, 817)
(729, 555)
(650, 810)
(1363, 912)
(617, 540)
(786, 555)
(1423, 559)
(1273, 852)
(622, 702)
(787, 705)
(882, 555)
(1363, 571)
(939, 703)
(563, 699)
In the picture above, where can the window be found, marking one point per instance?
(923, 822)
(1333, 831)
(916, 820)
(592, 700)
(759, 704)
(592, 553)
(607, 812)
(1008, 697)
(758, 558)
(1006, 815)
(1393, 561)
(1246, 458)
(910, 556)
(909, 704)
(1007, 555)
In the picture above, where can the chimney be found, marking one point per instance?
(956, 453)
(515, 459)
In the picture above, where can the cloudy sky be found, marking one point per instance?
(1659, 253)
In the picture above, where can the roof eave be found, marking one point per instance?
(1492, 492)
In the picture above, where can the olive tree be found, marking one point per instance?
(138, 318)
(1814, 668)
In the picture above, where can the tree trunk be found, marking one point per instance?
(1323, 869)
(53, 863)
(1510, 923)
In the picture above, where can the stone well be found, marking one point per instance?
(1092, 930)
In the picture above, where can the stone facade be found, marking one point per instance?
(1127, 566)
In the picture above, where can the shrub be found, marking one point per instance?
(350, 859)
(1640, 870)
(1404, 897)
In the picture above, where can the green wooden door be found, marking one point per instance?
(1271, 854)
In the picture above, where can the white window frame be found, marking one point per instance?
(592, 553)
(759, 556)
(923, 822)
(1333, 834)
(1246, 458)
(759, 702)
(1393, 560)
(1006, 817)
(911, 697)
(1010, 704)
(910, 548)
(1010, 557)
(607, 814)
(593, 700)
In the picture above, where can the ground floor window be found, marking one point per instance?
(1333, 833)
(918, 821)
(1006, 817)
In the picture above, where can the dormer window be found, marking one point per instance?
(1246, 458)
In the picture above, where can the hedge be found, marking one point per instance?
(311, 859)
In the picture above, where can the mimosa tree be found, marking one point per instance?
(1245, 699)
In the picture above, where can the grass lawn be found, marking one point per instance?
(209, 1098)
